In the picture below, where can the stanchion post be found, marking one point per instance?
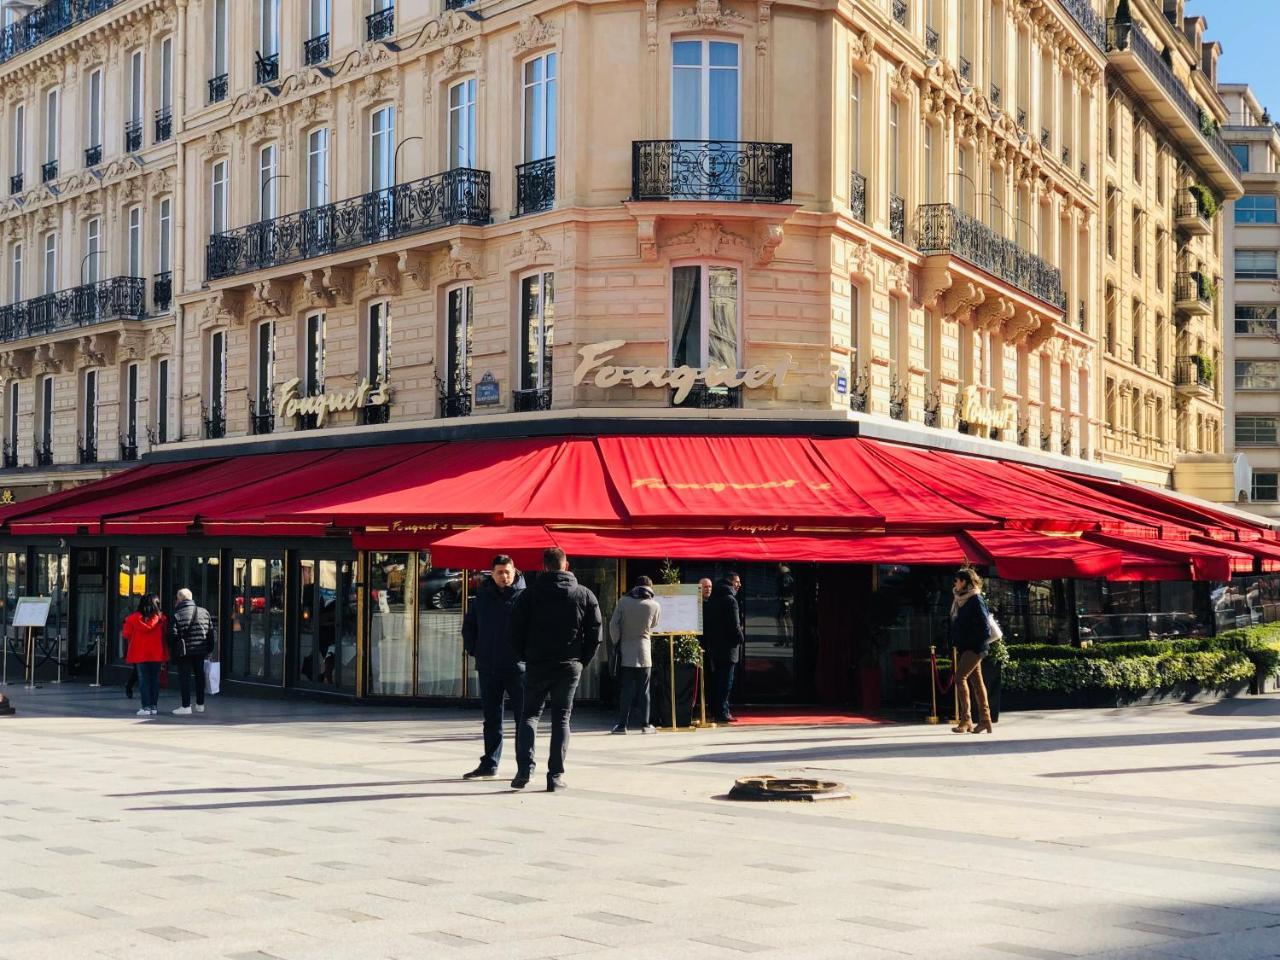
(955, 686)
(97, 656)
(933, 684)
(4, 638)
(31, 659)
(702, 691)
(57, 676)
(671, 666)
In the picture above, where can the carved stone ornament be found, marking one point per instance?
(529, 247)
(708, 238)
(96, 350)
(417, 267)
(383, 274)
(223, 306)
(272, 296)
(1023, 323)
(328, 287)
(217, 143)
(15, 364)
(131, 345)
(647, 237)
(862, 48)
(898, 278)
(464, 259)
(651, 25)
(962, 299)
(711, 14)
(992, 312)
(858, 255)
(161, 342)
(458, 58)
(53, 357)
(533, 33)
(900, 78)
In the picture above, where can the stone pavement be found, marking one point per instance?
(300, 830)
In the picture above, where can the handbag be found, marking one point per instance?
(615, 659)
(993, 628)
(212, 677)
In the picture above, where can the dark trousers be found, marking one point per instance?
(149, 684)
(722, 686)
(496, 687)
(542, 682)
(633, 695)
(188, 667)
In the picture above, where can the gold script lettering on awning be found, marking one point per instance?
(974, 411)
(323, 404)
(596, 366)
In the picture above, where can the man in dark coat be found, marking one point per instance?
(555, 630)
(192, 642)
(485, 631)
(723, 637)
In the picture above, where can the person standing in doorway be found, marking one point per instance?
(555, 630)
(485, 631)
(970, 635)
(144, 631)
(631, 628)
(722, 634)
(192, 643)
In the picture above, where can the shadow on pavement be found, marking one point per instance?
(285, 788)
(310, 801)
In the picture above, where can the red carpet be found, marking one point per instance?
(799, 717)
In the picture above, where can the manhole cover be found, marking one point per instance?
(787, 788)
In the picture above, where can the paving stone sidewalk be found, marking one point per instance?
(274, 829)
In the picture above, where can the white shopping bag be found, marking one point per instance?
(212, 676)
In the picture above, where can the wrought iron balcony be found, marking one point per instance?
(1044, 137)
(15, 183)
(373, 414)
(457, 4)
(118, 298)
(703, 397)
(48, 171)
(93, 155)
(1066, 155)
(900, 12)
(1022, 118)
(10, 460)
(162, 291)
(858, 196)
(164, 124)
(966, 69)
(380, 24)
(996, 95)
(129, 447)
(43, 452)
(133, 136)
(455, 196)
(218, 88)
(535, 186)
(1194, 372)
(710, 170)
(1083, 320)
(527, 401)
(932, 41)
(946, 230)
(45, 22)
(897, 217)
(316, 50)
(215, 423)
(1193, 294)
(455, 397)
(1084, 171)
(1090, 21)
(266, 69)
(1190, 216)
(262, 418)
(87, 451)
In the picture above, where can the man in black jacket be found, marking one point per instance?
(485, 631)
(192, 642)
(555, 630)
(722, 634)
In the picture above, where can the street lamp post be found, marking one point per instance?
(395, 160)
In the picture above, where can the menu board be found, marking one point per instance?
(31, 612)
(681, 608)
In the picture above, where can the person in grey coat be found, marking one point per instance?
(631, 629)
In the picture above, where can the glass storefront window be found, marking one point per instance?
(391, 589)
(257, 619)
(439, 630)
(13, 584)
(326, 619)
(1246, 601)
(51, 568)
(1111, 611)
(137, 575)
(1036, 611)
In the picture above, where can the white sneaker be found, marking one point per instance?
(144, 712)
(154, 712)
(199, 708)
(182, 712)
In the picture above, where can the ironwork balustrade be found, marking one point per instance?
(133, 136)
(710, 170)
(10, 461)
(43, 452)
(262, 418)
(1022, 118)
(215, 423)
(266, 69)
(1193, 285)
(1090, 21)
(944, 229)
(455, 196)
(373, 414)
(316, 50)
(1083, 320)
(1193, 371)
(703, 397)
(87, 451)
(900, 12)
(858, 196)
(897, 217)
(1084, 170)
(457, 4)
(115, 298)
(966, 69)
(129, 447)
(93, 155)
(996, 95)
(48, 171)
(932, 41)
(1066, 155)
(164, 124)
(527, 401)
(535, 186)
(162, 291)
(15, 183)
(380, 24)
(1188, 205)
(1044, 137)
(218, 87)
(45, 22)
(455, 397)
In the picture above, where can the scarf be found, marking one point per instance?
(960, 598)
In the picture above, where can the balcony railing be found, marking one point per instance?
(373, 414)
(535, 186)
(1193, 287)
(1193, 371)
(1066, 155)
(455, 397)
(457, 4)
(380, 24)
(944, 229)
(527, 401)
(710, 170)
(87, 451)
(966, 69)
(10, 460)
(858, 196)
(1044, 137)
(43, 452)
(162, 291)
(1090, 21)
(218, 87)
(932, 41)
(316, 50)
(900, 12)
(455, 196)
(1190, 212)
(15, 183)
(262, 418)
(1121, 35)
(46, 22)
(93, 155)
(996, 95)
(897, 218)
(133, 136)
(48, 171)
(215, 423)
(703, 397)
(114, 299)
(266, 69)
(129, 447)
(1022, 118)
(164, 124)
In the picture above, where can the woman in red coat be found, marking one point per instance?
(145, 632)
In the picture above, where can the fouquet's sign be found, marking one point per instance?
(323, 404)
(976, 413)
(596, 367)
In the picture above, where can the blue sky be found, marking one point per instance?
(1247, 30)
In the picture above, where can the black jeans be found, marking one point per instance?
(722, 680)
(556, 682)
(148, 683)
(497, 686)
(193, 665)
(633, 695)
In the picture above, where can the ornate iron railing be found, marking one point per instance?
(46, 22)
(315, 50)
(1193, 371)
(43, 452)
(262, 418)
(380, 24)
(10, 461)
(710, 170)
(526, 401)
(1090, 21)
(266, 69)
(129, 447)
(900, 12)
(162, 291)
(93, 155)
(218, 87)
(457, 4)
(87, 451)
(1022, 118)
(1084, 170)
(1044, 137)
(898, 398)
(116, 298)
(1066, 155)
(373, 414)
(215, 423)
(48, 171)
(944, 229)
(455, 196)
(897, 217)
(164, 124)
(15, 183)
(535, 186)
(996, 95)
(703, 397)
(132, 136)
(1188, 205)
(858, 196)
(860, 392)
(933, 408)
(1193, 285)
(1082, 318)
(932, 41)
(966, 68)
(455, 397)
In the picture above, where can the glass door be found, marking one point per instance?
(257, 619)
(415, 627)
(326, 624)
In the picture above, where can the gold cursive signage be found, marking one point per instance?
(720, 486)
(596, 366)
(323, 404)
(974, 411)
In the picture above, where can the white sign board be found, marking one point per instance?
(31, 612)
(681, 605)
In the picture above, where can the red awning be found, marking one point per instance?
(1206, 562)
(1023, 555)
(129, 479)
(1189, 514)
(474, 549)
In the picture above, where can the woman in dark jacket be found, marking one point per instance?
(970, 636)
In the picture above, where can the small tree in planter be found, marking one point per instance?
(688, 661)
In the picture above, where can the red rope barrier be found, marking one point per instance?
(951, 680)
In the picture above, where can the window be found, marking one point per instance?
(378, 343)
(1255, 264)
(1256, 208)
(1241, 152)
(19, 139)
(160, 392)
(135, 87)
(218, 374)
(11, 420)
(1162, 333)
(1137, 242)
(264, 366)
(1256, 430)
(269, 28)
(134, 268)
(89, 425)
(1113, 115)
(93, 109)
(462, 124)
(704, 90)
(15, 273)
(1138, 157)
(129, 415)
(50, 263)
(318, 167)
(1162, 254)
(895, 147)
(458, 345)
(165, 259)
(313, 356)
(267, 183)
(537, 330)
(382, 133)
(220, 33)
(704, 316)
(319, 16)
(51, 126)
(1136, 319)
(91, 271)
(1258, 374)
(540, 107)
(1266, 487)
(46, 412)
(218, 206)
(1162, 195)
(1256, 320)
(855, 120)
(166, 74)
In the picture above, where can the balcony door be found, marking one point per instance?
(462, 124)
(92, 272)
(705, 94)
(382, 136)
(458, 347)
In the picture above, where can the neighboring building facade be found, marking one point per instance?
(1167, 175)
(1252, 302)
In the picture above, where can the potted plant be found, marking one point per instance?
(1204, 368)
(688, 663)
(992, 668)
(1206, 202)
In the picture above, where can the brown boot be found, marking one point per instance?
(983, 727)
(964, 727)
